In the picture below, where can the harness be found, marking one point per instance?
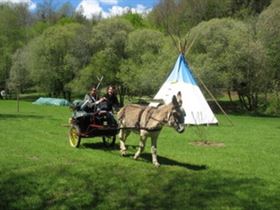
(148, 116)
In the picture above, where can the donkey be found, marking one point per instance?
(148, 122)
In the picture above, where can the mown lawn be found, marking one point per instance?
(39, 169)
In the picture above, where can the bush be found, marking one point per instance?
(273, 107)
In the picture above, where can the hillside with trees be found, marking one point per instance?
(234, 49)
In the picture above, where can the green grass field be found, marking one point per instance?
(39, 169)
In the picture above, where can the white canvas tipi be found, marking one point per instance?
(195, 105)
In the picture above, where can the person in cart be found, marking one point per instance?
(88, 106)
(112, 103)
(111, 99)
(92, 100)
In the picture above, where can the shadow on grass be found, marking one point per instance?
(100, 146)
(128, 187)
(169, 162)
(166, 161)
(20, 116)
(145, 156)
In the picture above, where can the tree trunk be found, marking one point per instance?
(249, 102)
(229, 95)
(17, 100)
(242, 100)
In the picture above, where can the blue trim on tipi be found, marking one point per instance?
(181, 72)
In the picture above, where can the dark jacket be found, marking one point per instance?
(112, 102)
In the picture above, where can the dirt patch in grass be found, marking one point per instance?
(206, 143)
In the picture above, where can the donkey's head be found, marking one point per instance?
(176, 114)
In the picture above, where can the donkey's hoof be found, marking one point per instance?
(135, 157)
(156, 164)
(123, 152)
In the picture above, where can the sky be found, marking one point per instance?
(94, 7)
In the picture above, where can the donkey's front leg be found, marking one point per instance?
(154, 138)
(123, 135)
(141, 148)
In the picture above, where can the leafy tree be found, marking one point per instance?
(268, 29)
(148, 62)
(108, 43)
(19, 78)
(135, 19)
(269, 32)
(14, 19)
(49, 13)
(111, 33)
(66, 10)
(46, 11)
(56, 57)
(176, 17)
(227, 57)
(102, 64)
(245, 8)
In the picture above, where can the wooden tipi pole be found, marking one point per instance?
(213, 97)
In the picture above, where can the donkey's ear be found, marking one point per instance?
(179, 96)
(174, 101)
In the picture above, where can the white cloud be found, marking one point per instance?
(117, 10)
(31, 5)
(141, 9)
(91, 8)
(113, 2)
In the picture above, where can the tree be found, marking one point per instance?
(269, 33)
(148, 62)
(46, 11)
(268, 30)
(135, 19)
(228, 57)
(19, 78)
(111, 33)
(66, 10)
(108, 43)
(177, 17)
(57, 56)
(246, 8)
(14, 19)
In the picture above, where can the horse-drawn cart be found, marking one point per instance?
(97, 124)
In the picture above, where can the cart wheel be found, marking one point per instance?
(109, 141)
(74, 137)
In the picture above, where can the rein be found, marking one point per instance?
(164, 121)
(141, 128)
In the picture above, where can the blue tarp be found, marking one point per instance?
(51, 101)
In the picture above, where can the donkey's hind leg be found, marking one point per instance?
(123, 135)
(141, 148)
(154, 138)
